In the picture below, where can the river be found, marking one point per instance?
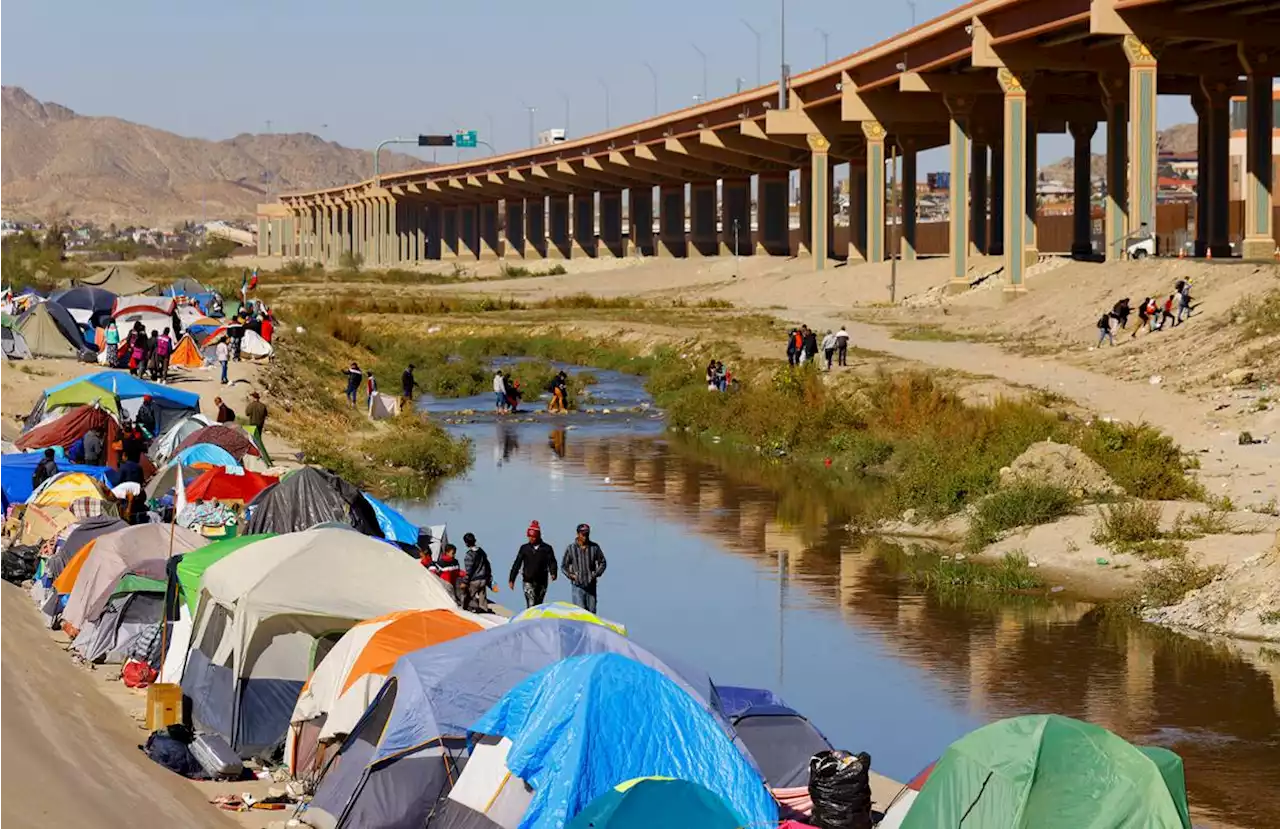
(734, 565)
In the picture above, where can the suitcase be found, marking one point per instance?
(216, 757)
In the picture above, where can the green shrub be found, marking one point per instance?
(1011, 573)
(418, 445)
(1024, 505)
(1168, 584)
(1138, 457)
(1126, 523)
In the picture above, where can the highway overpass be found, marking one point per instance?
(983, 80)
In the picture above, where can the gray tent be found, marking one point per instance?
(120, 281)
(127, 615)
(15, 345)
(782, 741)
(85, 531)
(307, 498)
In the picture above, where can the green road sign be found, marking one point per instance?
(465, 139)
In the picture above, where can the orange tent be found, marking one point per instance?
(186, 355)
(66, 580)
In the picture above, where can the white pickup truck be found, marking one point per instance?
(1141, 244)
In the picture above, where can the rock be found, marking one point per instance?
(1059, 464)
(1240, 376)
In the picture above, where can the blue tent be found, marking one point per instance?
(209, 453)
(736, 699)
(392, 769)
(395, 527)
(16, 471)
(128, 387)
(583, 725)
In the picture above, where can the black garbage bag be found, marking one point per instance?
(840, 786)
(19, 563)
(170, 748)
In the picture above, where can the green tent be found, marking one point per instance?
(120, 281)
(82, 394)
(1046, 771)
(191, 566)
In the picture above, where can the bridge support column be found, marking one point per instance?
(1082, 184)
(640, 220)
(858, 222)
(978, 195)
(702, 219)
(468, 231)
(1116, 97)
(773, 219)
(559, 231)
(431, 231)
(376, 232)
(960, 109)
(1016, 167)
(735, 217)
(584, 224)
(909, 208)
(610, 243)
(820, 217)
(1259, 183)
(1215, 177)
(535, 227)
(514, 247)
(1143, 163)
(874, 132)
(995, 220)
(1031, 228)
(361, 231)
(804, 211)
(392, 251)
(490, 245)
(671, 239)
(450, 223)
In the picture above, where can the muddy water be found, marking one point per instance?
(734, 566)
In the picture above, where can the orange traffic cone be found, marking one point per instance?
(1208, 252)
(1182, 253)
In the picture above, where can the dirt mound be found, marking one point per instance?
(1059, 464)
(1243, 602)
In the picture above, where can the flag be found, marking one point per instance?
(244, 284)
(253, 280)
(180, 496)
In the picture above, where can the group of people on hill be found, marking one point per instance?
(803, 347)
(255, 317)
(1152, 313)
(143, 354)
(717, 378)
(583, 563)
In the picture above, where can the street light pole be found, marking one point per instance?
(653, 73)
(755, 32)
(702, 55)
(826, 52)
(532, 134)
(566, 114)
(782, 49)
(608, 122)
(896, 236)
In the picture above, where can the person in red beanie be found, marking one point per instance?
(535, 561)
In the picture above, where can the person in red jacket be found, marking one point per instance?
(448, 569)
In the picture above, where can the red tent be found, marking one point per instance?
(74, 424)
(233, 439)
(218, 484)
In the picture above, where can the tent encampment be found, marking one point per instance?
(118, 280)
(310, 496)
(234, 440)
(269, 612)
(170, 404)
(84, 532)
(124, 305)
(223, 484)
(186, 354)
(15, 345)
(395, 527)
(134, 607)
(656, 801)
(64, 430)
(185, 286)
(345, 682)
(1051, 772)
(17, 470)
(251, 342)
(396, 765)
(162, 448)
(782, 741)
(50, 331)
(87, 304)
(140, 550)
(66, 488)
(565, 610)
(581, 724)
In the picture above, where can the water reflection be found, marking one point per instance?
(696, 540)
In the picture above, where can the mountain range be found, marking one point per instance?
(58, 164)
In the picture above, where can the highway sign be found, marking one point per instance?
(465, 139)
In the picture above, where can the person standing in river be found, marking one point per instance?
(536, 563)
(479, 575)
(583, 565)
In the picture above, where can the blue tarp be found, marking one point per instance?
(736, 699)
(16, 471)
(127, 387)
(205, 453)
(394, 525)
(442, 690)
(583, 725)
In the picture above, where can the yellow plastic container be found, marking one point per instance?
(164, 705)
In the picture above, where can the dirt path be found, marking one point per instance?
(72, 758)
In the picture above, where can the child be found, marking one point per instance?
(1166, 313)
(448, 569)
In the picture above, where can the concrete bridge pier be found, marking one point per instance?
(909, 209)
(1017, 161)
(858, 223)
(1115, 91)
(873, 247)
(773, 230)
(735, 221)
(1143, 161)
(978, 193)
(671, 238)
(702, 219)
(490, 244)
(995, 218)
(469, 231)
(1216, 114)
(1082, 226)
(558, 247)
(449, 228)
(960, 108)
(535, 227)
(1259, 180)
(514, 242)
(640, 220)
(584, 225)
(611, 243)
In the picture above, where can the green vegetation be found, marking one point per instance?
(1010, 574)
(1168, 584)
(1142, 460)
(509, 271)
(931, 332)
(1133, 526)
(1269, 617)
(28, 262)
(1259, 316)
(1023, 505)
(214, 249)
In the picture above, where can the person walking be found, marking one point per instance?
(1144, 316)
(1104, 329)
(223, 354)
(536, 563)
(499, 392)
(1166, 313)
(842, 347)
(795, 347)
(164, 349)
(829, 347)
(810, 345)
(559, 389)
(449, 571)
(146, 417)
(46, 469)
(583, 565)
(407, 384)
(113, 345)
(1184, 300)
(370, 389)
(93, 448)
(226, 414)
(354, 375)
(256, 412)
(1120, 313)
(479, 576)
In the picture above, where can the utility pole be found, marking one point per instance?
(896, 236)
(702, 55)
(826, 52)
(782, 49)
(532, 136)
(566, 115)
(756, 32)
(608, 122)
(653, 73)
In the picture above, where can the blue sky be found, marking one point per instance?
(357, 73)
